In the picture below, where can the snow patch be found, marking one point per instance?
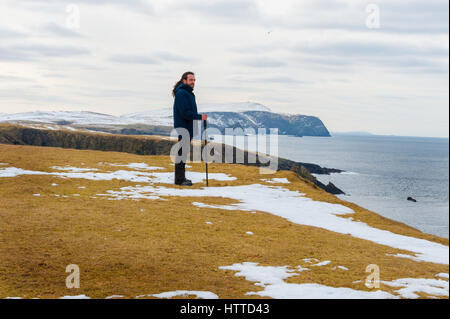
(276, 180)
(132, 176)
(114, 297)
(272, 279)
(405, 256)
(75, 297)
(14, 171)
(310, 260)
(442, 275)
(203, 205)
(139, 166)
(263, 275)
(412, 286)
(74, 169)
(323, 263)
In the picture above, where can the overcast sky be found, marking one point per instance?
(380, 66)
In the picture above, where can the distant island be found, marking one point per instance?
(354, 133)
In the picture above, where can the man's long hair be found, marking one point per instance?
(183, 77)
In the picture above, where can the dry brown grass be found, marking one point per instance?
(123, 250)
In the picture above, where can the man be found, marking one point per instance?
(184, 114)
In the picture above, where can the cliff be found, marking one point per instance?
(142, 145)
(296, 125)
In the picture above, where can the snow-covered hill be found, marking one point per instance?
(55, 117)
(222, 115)
(163, 116)
(234, 107)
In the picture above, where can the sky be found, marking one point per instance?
(375, 66)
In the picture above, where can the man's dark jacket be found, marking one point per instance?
(185, 108)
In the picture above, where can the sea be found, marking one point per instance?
(381, 172)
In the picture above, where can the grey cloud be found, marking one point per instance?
(240, 88)
(13, 78)
(344, 55)
(36, 51)
(257, 48)
(283, 80)
(348, 48)
(415, 16)
(112, 93)
(55, 5)
(392, 97)
(261, 62)
(8, 33)
(58, 30)
(152, 58)
(235, 10)
(54, 75)
(411, 64)
(8, 54)
(134, 59)
(403, 64)
(327, 60)
(401, 56)
(374, 48)
(87, 67)
(167, 56)
(32, 94)
(271, 79)
(50, 50)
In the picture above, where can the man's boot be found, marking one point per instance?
(180, 177)
(179, 173)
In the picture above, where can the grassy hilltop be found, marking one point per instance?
(140, 246)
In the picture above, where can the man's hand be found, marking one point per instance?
(204, 117)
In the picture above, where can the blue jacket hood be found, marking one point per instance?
(183, 86)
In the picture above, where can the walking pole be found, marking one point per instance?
(206, 153)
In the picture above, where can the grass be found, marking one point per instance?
(132, 248)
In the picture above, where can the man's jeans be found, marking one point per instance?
(180, 168)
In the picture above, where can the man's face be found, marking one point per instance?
(190, 80)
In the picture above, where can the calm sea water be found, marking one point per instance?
(382, 171)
